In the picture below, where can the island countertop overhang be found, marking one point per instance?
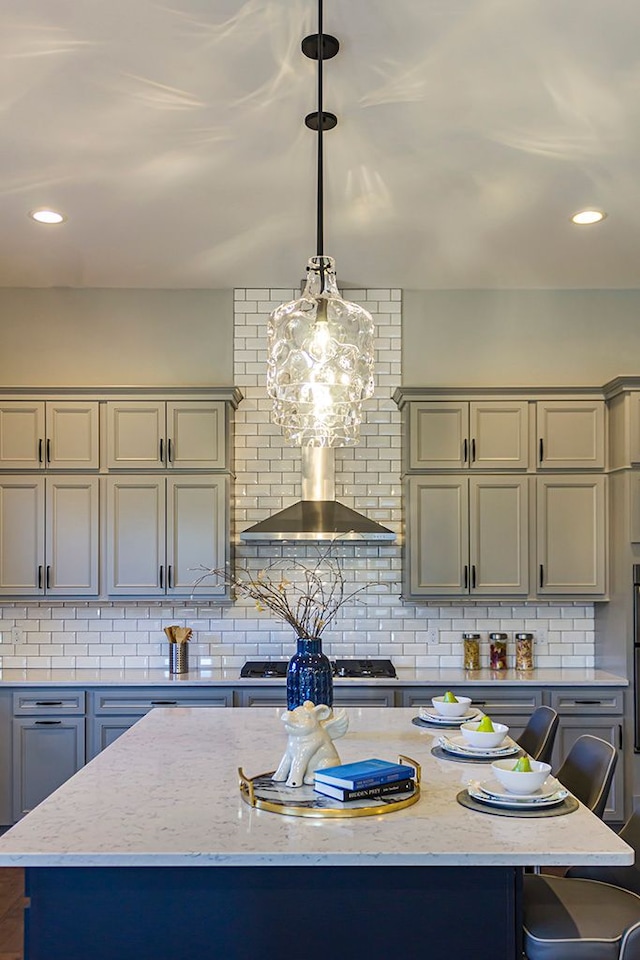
(166, 794)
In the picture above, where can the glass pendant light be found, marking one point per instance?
(320, 347)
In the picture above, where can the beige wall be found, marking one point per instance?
(519, 338)
(72, 337)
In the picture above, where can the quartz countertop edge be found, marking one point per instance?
(230, 676)
(166, 793)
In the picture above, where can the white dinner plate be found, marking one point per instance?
(517, 803)
(432, 716)
(493, 788)
(458, 745)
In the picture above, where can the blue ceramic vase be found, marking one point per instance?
(309, 675)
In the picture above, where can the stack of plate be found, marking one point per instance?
(431, 715)
(458, 746)
(492, 793)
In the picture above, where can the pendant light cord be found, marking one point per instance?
(320, 161)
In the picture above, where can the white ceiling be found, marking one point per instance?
(172, 136)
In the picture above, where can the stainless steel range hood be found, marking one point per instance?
(318, 516)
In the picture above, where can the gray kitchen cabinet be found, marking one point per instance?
(48, 740)
(49, 530)
(343, 696)
(478, 434)
(49, 434)
(571, 535)
(160, 531)
(467, 536)
(607, 728)
(159, 434)
(113, 711)
(571, 434)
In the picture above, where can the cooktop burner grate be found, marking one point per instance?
(341, 668)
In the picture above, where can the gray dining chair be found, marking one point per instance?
(588, 770)
(592, 913)
(539, 735)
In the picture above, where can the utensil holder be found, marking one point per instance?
(178, 658)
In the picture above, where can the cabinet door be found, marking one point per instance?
(105, 731)
(71, 536)
(135, 536)
(439, 435)
(438, 536)
(196, 435)
(21, 536)
(46, 752)
(22, 435)
(498, 531)
(499, 432)
(135, 434)
(607, 728)
(571, 434)
(196, 534)
(72, 435)
(571, 536)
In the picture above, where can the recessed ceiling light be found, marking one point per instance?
(588, 216)
(47, 216)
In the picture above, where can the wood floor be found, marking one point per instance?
(11, 913)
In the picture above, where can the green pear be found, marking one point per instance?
(449, 697)
(523, 765)
(486, 726)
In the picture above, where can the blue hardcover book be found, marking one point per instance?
(364, 773)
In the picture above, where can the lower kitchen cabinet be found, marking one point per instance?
(342, 697)
(46, 752)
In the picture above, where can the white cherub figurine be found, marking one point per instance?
(311, 731)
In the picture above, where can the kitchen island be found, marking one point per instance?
(149, 850)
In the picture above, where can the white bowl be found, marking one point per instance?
(480, 738)
(446, 709)
(520, 783)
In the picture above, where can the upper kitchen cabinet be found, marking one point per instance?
(476, 434)
(467, 537)
(571, 535)
(49, 536)
(571, 434)
(157, 434)
(49, 434)
(161, 531)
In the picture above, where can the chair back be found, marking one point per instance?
(588, 771)
(626, 877)
(538, 736)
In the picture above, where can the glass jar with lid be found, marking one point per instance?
(471, 643)
(524, 651)
(498, 651)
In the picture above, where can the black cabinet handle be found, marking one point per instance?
(464, 451)
(40, 577)
(48, 723)
(48, 576)
(40, 450)
(169, 583)
(541, 575)
(164, 703)
(619, 736)
(48, 450)
(466, 576)
(473, 450)
(48, 703)
(161, 450)
(169, 451)
(541, 449)
(478, 703)
(473, 576)
(584, 703)
(161, 575)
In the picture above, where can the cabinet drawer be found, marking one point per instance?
(587, 701)
(513, 701)
(33, 702)
(137, 703)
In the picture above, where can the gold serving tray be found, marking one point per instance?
(263, 793)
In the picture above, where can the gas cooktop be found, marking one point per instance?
(341, 668)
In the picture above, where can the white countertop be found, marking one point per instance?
(166, 794)
(556, 677)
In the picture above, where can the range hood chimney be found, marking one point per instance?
(318, 516)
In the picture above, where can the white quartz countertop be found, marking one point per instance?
(166, 794)
(556, 677)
